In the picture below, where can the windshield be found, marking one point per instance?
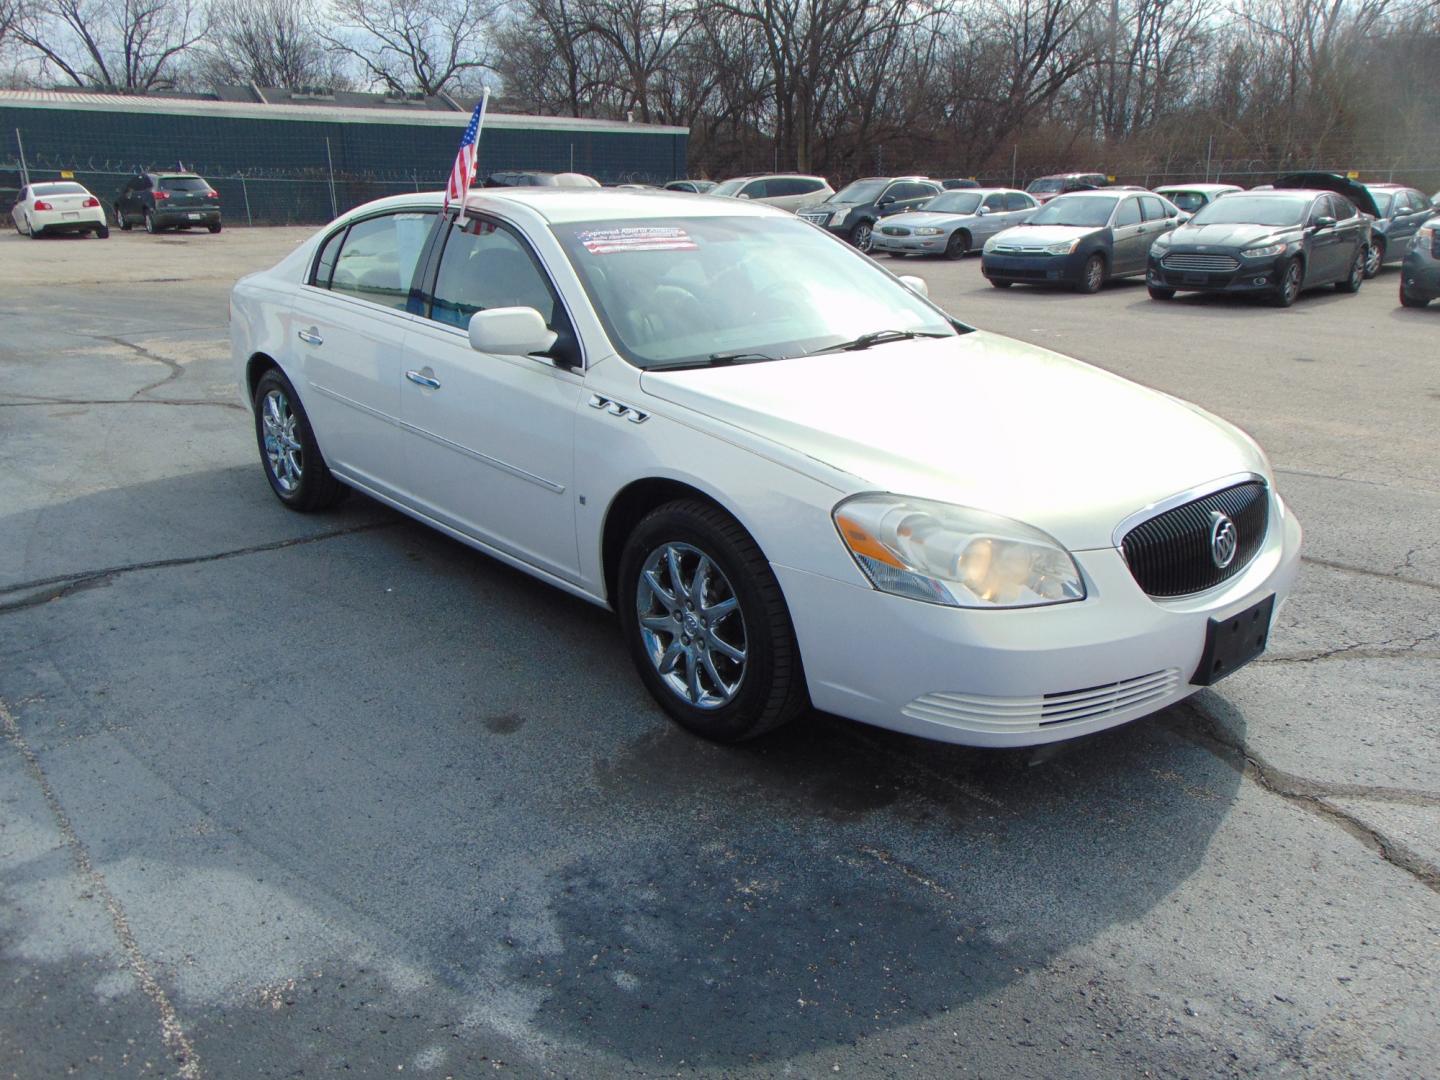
(729, 187)
(183, 183)
(1383, 199)
(954, 202)
(1045, 185)
(1091, 211)
(677, 290)
(861, 191)
(1252, 210)
(60, 189)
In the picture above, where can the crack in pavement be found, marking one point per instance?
(176, 370)
(1367, 572)
(1215, 736)
(172, 1032)
(62, 585)
(1363, 650)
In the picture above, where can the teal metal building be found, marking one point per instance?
(278, 163)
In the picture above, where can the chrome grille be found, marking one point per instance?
(1215, 264)
(819, 217)
(1170, 554)
(895, 230)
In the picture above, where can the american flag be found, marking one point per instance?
(463, 170)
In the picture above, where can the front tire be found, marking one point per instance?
(706, 623)
(288, 451)
(1290, 283)
(861, 236)
(958, 246)
(1092, 277)
(1374, 257)
(1159, 292)
(997, 283)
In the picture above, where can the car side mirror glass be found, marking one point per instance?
(886, 201)
(742, 195)
(915, 284)
(982, 211)
(1324, 222)
(512, 331)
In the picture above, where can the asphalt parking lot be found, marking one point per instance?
(286, 795)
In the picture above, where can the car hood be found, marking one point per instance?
(917, 218)
(1356, 192)
(1228, 235)
(1039, 236)
(978, 420)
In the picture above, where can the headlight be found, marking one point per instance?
(1424, 235)
(1062, 249)
(927, 231)
(1161, 242)
(954, 555)
(990, 244)
(1263, 252)
(839, 215)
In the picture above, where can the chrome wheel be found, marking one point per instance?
(691, 625)
(1374, 256)
(1290, 289)
(1094, 275)
(282, 445)
(861, 237)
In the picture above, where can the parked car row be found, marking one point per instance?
(155, 200)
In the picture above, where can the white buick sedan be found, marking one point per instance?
(795, 479)
(59, 207)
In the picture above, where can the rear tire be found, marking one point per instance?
(122, 221)
(724, 699)
(1352, 281)
(33, 232)
(150, 226)
(103, 232)
(289, 453)
(214, 228)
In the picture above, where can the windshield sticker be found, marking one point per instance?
(649, 238)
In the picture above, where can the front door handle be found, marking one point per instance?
(423, 380)
(311, 337)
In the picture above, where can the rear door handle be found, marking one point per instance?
(423, 380)
(311, 337)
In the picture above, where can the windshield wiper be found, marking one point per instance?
(878, 337)
(718, 359)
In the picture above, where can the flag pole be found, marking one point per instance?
(462, 173)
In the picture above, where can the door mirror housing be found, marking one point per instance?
(512, 331)
(886, 201)
(1324, 222)
(982, 211)
(915, 284)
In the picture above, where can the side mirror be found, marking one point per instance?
(886, 201)
(915, 284)
(982, 211)
(742, 195)
(511, 331)
(1325, 222)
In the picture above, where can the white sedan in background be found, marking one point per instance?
(59, 207)
(794, 487)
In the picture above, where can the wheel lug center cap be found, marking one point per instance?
(691, 624)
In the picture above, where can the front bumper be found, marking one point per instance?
(1034, 269)
(1252, 275)
(1420, 275)
(61, 220)
(1019, 677)
(912, 244)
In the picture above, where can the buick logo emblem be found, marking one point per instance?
(1223, 540)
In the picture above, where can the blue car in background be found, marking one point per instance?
(1420, 272)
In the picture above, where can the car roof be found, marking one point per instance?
(560, 205)
(1199, 187)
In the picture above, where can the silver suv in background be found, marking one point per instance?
(788, 191)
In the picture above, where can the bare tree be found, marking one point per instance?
(267, 42)
(428, 46)
(127, 45)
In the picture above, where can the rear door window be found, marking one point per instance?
(758, 189)
(378, 256)
(1018, 200)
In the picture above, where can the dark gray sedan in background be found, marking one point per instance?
(1082, 240)
(952, 223)
(1271, 243)
(1420, 273)
(1402, 210)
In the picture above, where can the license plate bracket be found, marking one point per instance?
(1196, 279)
(1232, 643)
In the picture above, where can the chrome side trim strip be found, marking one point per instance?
(1155, 509)
(395, 421)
